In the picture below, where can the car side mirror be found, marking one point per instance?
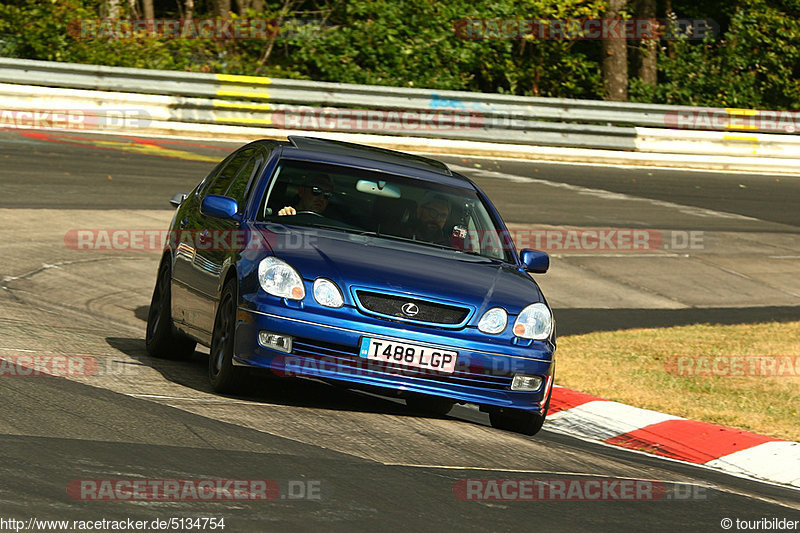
(218, 206)
(178, 199)
(535, 261)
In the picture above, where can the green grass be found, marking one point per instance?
(633, 367)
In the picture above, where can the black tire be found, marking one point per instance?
(430, 405)
(224, 377)
(162, 339)
(517, 420)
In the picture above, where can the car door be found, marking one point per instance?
(201, 250)
(184, 302)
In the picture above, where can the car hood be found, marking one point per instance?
(405, 267)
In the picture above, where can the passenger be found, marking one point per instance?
(432, 213)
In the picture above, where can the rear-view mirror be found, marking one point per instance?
(378, 188)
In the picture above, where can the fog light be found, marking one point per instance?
(526, 383)
(276, 341)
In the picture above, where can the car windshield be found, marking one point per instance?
(383, 205)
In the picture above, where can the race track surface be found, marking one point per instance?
(368, 462)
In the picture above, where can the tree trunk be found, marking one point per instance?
(147, 7)
(668, 16)
(648, 48)
(188, 9)
(222, 8)
(110, 9)
(615, 59)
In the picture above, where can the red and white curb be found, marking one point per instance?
(722, 448)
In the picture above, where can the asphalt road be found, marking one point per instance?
(372, 463)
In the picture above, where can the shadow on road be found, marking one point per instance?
(260, 385)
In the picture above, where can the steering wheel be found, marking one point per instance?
(309, 213)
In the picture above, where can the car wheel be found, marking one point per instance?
(517, 420)
(430, 405)
(162, 339)
(223, 375)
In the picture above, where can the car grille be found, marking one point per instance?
(330, 356)
(390, 305)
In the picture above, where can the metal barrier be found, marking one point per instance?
(282, 104)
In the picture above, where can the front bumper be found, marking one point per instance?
(327, 348)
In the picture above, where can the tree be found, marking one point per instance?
(222, 8)
(648, 48)
(147, 8)
(615, 58)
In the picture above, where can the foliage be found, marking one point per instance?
(414, 43)
(756, 64)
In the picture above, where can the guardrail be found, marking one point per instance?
(282, 104)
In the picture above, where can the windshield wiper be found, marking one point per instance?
(345, 228)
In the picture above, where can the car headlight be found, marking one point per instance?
(534, 322)
(493, 321)
(327, 293)
(277, 278)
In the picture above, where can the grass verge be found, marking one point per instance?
(678, 371)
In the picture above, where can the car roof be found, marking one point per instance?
(363, 156)
(373, 153)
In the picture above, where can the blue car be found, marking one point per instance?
(359, 266)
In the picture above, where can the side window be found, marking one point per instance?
(239, 188)
(225, 177)
(210, 178)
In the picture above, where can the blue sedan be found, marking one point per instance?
(359, 266)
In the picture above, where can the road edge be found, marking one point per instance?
(730, 450)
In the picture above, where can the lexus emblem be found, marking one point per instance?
(410, 309)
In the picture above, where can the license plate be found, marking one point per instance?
(410, 355)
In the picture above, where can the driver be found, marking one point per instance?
(313, 195)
